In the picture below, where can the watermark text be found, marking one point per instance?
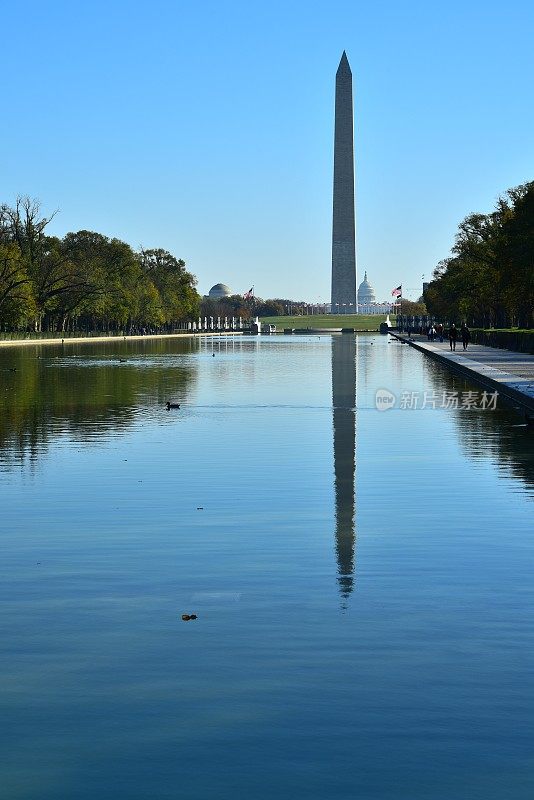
(460, 401)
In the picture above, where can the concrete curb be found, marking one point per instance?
(95, 339)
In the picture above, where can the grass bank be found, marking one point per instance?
(359, 322)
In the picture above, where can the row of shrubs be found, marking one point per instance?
(522, 340)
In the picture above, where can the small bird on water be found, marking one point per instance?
(171, 405)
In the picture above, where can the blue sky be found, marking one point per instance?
(206, 128)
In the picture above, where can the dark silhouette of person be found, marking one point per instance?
(466, 335)
(453, 336)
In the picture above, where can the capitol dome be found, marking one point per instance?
(219, 292)
(366, 293)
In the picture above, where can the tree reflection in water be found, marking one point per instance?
(84, 391)
(495, 435)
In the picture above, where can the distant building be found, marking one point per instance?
(366, 293)
(367, 300)
(219, 292)
(375, 308)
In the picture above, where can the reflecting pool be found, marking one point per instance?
(362, 579)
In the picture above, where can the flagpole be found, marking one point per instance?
(397, 293)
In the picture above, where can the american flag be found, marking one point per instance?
(249, 294)
(397, 292)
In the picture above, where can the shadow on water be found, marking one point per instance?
(344, 374)
(85, 392)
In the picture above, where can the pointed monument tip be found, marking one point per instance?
(344, 63)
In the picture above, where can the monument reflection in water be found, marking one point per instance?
(344, 375)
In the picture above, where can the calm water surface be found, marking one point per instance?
(362, 579)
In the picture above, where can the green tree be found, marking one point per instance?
(51, 272)
(515, 256)
(85, 279)
(409, 308)
(488, 280)
(270, 308)
(16, 299)
(176, 286)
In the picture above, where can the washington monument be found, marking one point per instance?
(343, 233)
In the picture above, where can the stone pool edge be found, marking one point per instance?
(511, 387)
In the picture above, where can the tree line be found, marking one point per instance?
(238, 306)
(488, 281)
(85, 280)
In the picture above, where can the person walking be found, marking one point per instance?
(453, 336)
(440, 331)
(466, 335)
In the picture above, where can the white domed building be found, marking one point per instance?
(366, 293)
(367, 300)
(219, 292)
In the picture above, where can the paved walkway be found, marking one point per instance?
(508, 372)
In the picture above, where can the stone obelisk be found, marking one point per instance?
(343, 226)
